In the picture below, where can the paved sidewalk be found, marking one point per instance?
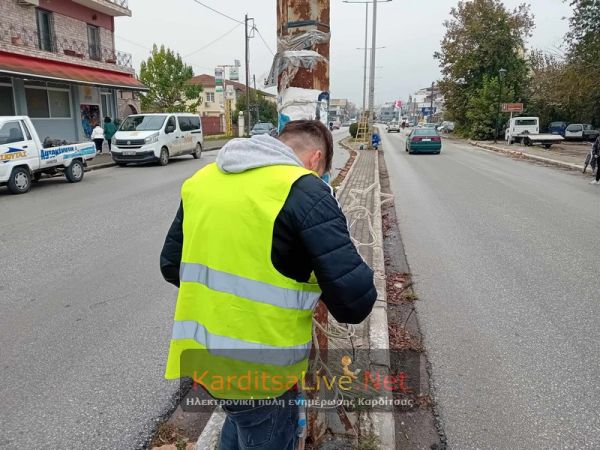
(361, 188)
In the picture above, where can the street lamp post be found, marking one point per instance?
(502, 73)
(367, 48)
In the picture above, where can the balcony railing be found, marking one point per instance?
(24, 37)
(121, 3)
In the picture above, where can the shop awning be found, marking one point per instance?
(25, 66)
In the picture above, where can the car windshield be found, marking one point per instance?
(429, 125)
(526, 122)
(143, 123)
(262, 126)
(557, 124)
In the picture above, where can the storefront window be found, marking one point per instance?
(37, 103)
(59, 104)
(7, 105)
(48, 103)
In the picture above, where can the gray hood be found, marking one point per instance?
(239, 155)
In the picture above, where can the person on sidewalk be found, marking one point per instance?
(257, 240)
(109, 131)
(596, 156)
(98, 138)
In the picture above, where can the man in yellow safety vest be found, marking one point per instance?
(258, 238)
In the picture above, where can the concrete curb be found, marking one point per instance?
(553, 162)
(93, 167)
(382, 422)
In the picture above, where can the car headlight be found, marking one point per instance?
(113, 141)
(151, 139)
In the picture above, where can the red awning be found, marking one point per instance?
(21, 65)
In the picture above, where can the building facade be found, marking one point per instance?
(420, 102)
(59, 65)
(212, 106)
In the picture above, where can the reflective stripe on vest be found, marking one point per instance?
(249, 289)
(240, 350)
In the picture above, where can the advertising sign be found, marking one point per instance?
(512, 107)
(219, 77)
(234, 74)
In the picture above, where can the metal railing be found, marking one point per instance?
(121, 3)
(24, 37)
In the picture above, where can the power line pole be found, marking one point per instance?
(366, 54)
(372, 75)
(247, 19)
(300, 19)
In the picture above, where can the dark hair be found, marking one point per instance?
(315, 130)
(107, 119)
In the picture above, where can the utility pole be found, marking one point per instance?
(372, 74)
(307, 22)
(366, 54)
(247, 76)
(431, 108)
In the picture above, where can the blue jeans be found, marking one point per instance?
(268, 427)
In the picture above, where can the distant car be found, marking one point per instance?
(430, 125)
(581, 132)
(346, 124)
(393, 127)
(424, 140)
(446, 127)
(263, 128)
(558, 128)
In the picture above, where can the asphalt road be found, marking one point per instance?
(85, 316)
(506, 257)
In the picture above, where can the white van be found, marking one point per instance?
(145, 138)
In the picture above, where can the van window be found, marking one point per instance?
(194, 123)
(11, 132)
(184, 123)
(557, 124)
(171, 123)
(526, 122)
(573, 128)
(143, 123)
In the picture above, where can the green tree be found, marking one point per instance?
(482, 108)
(167, 76)
(267, 110)
(583, 57)
(481, 38)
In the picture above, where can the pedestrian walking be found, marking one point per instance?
(109, 131)
(596, 157)
(98, 137)
(251, 264)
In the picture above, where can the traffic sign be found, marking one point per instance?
(512, 107)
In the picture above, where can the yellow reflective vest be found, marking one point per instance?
(242, 329)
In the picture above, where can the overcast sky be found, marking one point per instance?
(411, 31)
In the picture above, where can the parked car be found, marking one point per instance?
(144, 138)
(581, 132)
(263, 128)
(424, 140)
(430, 125)
(393, 127)
(446, 127)
(23, 156)
(558, 128)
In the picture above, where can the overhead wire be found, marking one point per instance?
(264, 41)
(218, 12)
(204, 47)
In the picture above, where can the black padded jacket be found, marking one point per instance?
(310, 235)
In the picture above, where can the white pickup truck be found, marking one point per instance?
(23, 157)
(526, 130)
